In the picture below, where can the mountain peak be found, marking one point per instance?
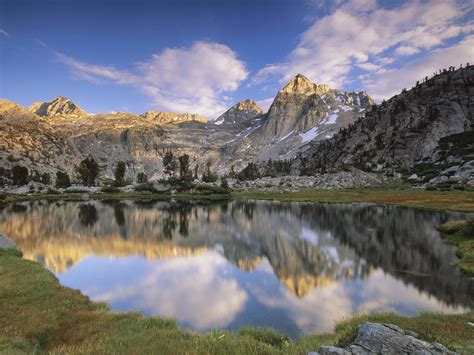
(240, 113)
(59, 106)
(300, 84)
(247, 105)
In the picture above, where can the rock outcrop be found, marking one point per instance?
(374, 338)
(302, 105)
(240, 113)
(171, 117)
(59, 106)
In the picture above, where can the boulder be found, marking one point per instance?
(374, 338)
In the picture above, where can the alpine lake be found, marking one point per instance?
(296, 267)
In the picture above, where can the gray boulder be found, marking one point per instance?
(374, 338)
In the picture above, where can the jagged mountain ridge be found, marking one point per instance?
(301, 98)
(430, 125)
(235, 138)
(302, 111)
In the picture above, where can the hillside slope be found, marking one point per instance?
(425, 130)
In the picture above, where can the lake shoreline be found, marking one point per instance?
(64, 320)
(461, 201)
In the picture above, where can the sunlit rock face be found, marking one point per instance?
(59, 106)
(171, 117)
(302, 105)
(32, 141)
(239, 114)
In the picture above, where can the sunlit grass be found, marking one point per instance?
(437, 200)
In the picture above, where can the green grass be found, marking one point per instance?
(39, 315)
(392, 194)
(401, 195)
(461, 235)
(10, 198)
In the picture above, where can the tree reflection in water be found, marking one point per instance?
(88, 215)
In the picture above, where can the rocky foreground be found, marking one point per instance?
(374, 338)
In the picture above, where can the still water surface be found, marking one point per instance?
(297, 267)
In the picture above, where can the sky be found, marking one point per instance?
(203, 56)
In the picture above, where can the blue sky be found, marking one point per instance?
(204, 56)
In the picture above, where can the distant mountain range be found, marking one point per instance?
(313, 125)
(55, 135)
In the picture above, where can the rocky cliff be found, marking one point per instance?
(423, 130)
(302, 105)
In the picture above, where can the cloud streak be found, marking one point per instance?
(361, 35)
(196, 79)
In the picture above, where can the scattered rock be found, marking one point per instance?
(340, 180)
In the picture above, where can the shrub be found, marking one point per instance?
(51, 191)
(469, 227)
(62, 180)
(87, 171)
(110, 189)
(19, 175)
(146, 187)
(45, 179)
(142, 178)
(120, 173)
(210, 190)
(224, 183)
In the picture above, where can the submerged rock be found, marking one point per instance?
(374, 338)
(6, 243)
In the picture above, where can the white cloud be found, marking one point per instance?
(4, 33)
(195, 290)
(406, 50)
(360, 33)
(368, 66)
(386, 83)
(195, 79)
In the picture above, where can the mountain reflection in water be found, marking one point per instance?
(298, 267)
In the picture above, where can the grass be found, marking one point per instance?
(403, 196)
(39, 315)
(461, 235)
(10, 198)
